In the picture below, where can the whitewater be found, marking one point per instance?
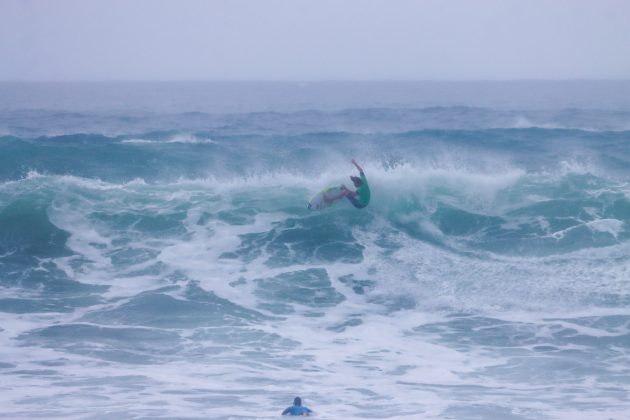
(157, 259)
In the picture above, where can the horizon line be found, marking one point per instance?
(341, 80)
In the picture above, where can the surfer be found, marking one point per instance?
(359, 198)
(297, 409)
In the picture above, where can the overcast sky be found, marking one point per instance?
(313, 40)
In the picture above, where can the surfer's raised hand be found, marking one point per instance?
(354, 162)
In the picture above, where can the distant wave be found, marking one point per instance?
(34, 123)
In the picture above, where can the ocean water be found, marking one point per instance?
(157, 259)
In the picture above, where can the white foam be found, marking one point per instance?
(524, 122)
(610, 226)
(383, 366)
(178, 138)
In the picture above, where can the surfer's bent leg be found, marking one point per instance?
(344, 192)
(355, 201)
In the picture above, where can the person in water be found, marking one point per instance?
(359, 198)
(297, 409)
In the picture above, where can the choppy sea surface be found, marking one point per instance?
(157, 259)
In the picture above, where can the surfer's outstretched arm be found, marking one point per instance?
(360, 169)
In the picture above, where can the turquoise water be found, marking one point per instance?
(157, 259)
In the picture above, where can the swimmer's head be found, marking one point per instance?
(297, 401)
(356, 181)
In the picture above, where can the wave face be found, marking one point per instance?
(159, 263)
